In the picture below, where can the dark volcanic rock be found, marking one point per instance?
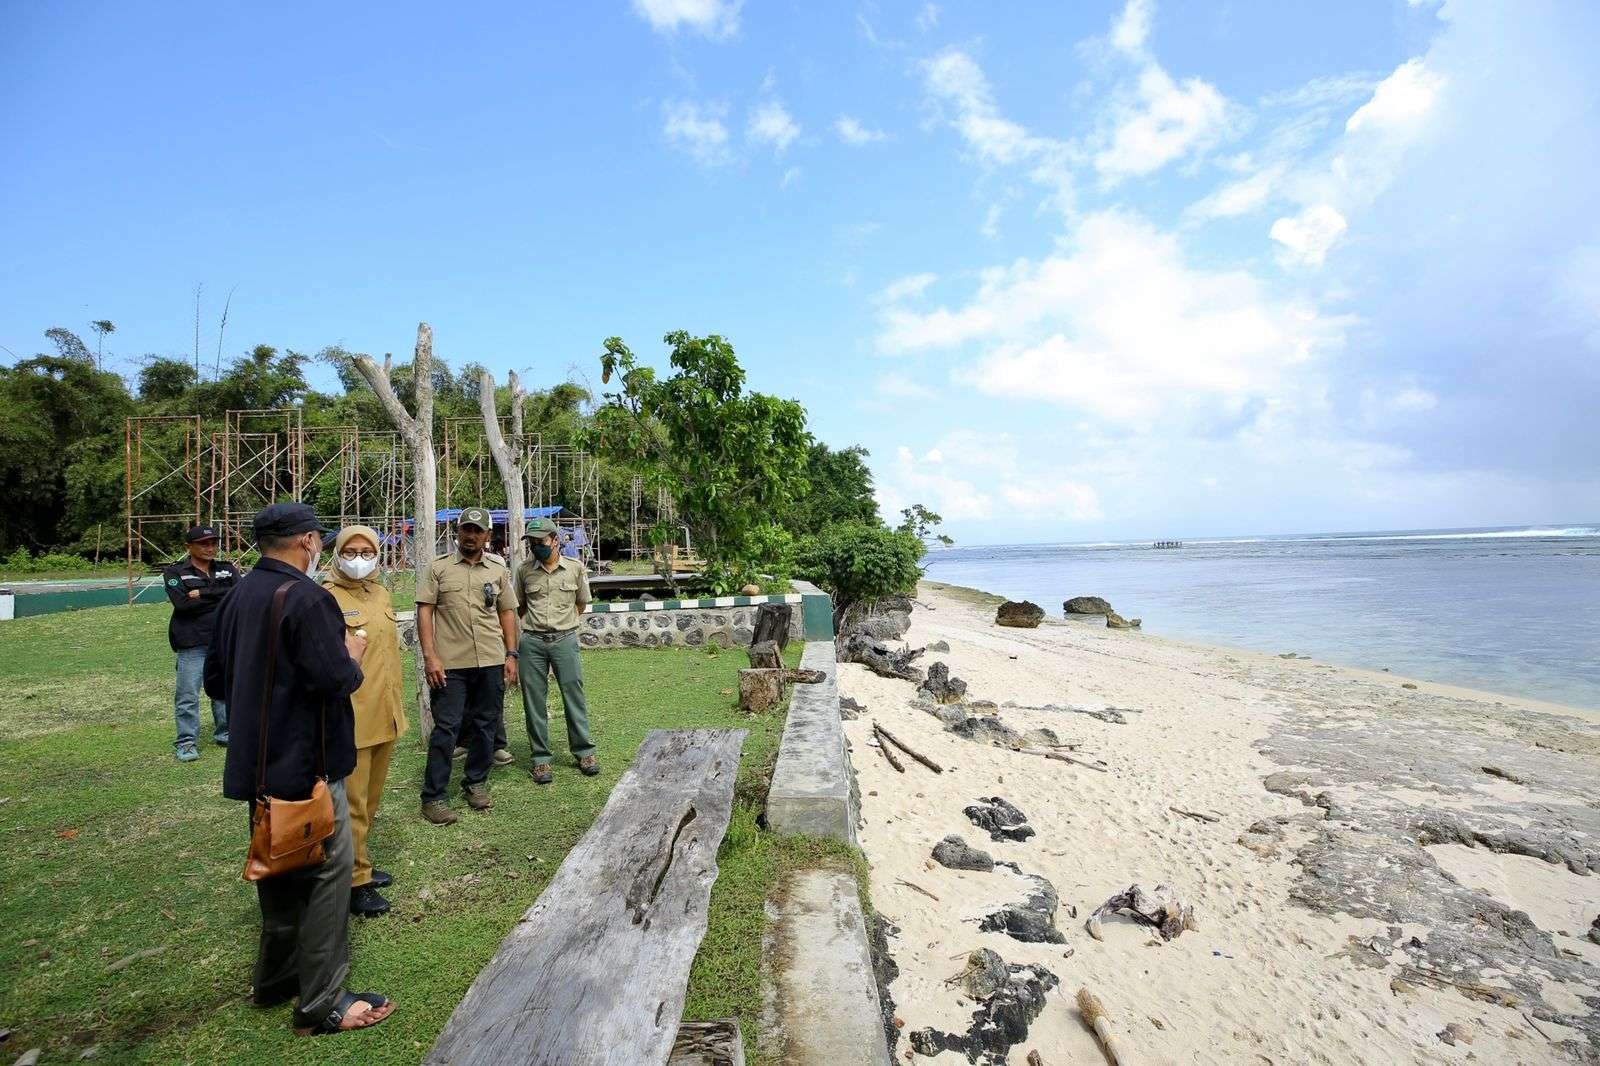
(987, 729)
(955, 853)
(1033, 921)
(884, 971)
(1010, 997)
(1086, 605)
(938, 645)
(1019, 615)
(849, 709)
(1000, 819)
(940, 687)
(1116, 621)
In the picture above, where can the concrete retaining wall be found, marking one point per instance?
(812, 788)
(656, 624)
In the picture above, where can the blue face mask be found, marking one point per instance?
(542, 552)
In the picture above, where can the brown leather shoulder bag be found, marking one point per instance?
(286, 835)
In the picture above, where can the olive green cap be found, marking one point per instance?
(540, 527)
(475, 516)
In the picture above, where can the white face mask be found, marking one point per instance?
(311, 564)
(358, 568)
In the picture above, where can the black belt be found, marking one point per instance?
(547, 637)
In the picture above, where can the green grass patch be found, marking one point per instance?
(123, 920)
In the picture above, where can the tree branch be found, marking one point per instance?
(510, 470)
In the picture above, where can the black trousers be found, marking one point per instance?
(464, 712)
(305, 919)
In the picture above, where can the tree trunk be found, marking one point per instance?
(760, 690)
(510, 469)
(764, 655)
(417, 432)
(772, 623)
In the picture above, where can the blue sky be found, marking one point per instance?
(1069, 271)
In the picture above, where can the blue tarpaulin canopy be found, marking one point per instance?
(450, 514)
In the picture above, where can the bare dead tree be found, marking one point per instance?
(509, 466)
(417, 432)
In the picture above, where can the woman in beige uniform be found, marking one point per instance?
(380, 714)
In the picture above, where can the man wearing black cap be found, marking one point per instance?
(196, 587)
(285, 737)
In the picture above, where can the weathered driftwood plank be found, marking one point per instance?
(595, 971)
(772, 624)
(717, 1043)
(760, 690)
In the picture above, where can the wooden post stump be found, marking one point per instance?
(760, 689)
(715, 1043)
(772, 624)
(764, 656)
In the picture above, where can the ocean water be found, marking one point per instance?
(1512, 610)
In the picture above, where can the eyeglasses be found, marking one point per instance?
(350, 553)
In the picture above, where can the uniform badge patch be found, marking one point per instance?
(172, 581)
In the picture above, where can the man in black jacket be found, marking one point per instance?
(196, 588)
(308, 729)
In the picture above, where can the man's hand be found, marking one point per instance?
(194, 594)
(433, 671)
(511, 669)
(355, 642)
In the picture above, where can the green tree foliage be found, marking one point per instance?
(732, 460)
(860, 562)
(923, 524)
(841, 491)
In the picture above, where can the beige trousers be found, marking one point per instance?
(365, 789)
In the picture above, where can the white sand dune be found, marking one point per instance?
(1263, 979)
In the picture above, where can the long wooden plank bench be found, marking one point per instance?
(596, 970)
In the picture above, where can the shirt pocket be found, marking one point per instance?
(354, 620)
(453, 593)
(567, 583)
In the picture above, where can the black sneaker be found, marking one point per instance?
(365, 902)
(381, 879)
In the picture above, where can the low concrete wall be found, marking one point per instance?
(646, 625)
(812, 788)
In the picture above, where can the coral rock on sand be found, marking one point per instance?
(938, 645)
(987, 729)
(1086, 605)
(1116, 621)
(1033, 921)
(877, 657)
(1000, 819)
(955, 853)
(1159, 907)
(1019, 615)
(940, 686)
(1010, 998)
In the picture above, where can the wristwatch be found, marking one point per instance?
(511, 655)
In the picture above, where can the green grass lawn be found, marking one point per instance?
(123, 920)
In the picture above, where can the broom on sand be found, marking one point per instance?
(1094, 1016)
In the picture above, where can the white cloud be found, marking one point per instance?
(991, 222)
(851, 131)
(716, 19)
(790, 176)
(928, 17)
(1308, 236)
(1161, 122)
(906, 288)
(954, 78)
(1240, 197)
(1401, 102)
(1132, 28)
(698, 130)
(968, 475)
(770, 123)
(1118, 325)
(934, 455)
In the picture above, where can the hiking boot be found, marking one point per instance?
(439, 813)
(503, 757)
(477, 796)
(542, 774)
(589, 765)
(188, 753)
(365, 902)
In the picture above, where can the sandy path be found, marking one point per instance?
(1264, 978)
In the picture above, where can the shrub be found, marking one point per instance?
(19, 561)
(858, 562)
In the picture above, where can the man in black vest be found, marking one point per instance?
(196, 588)
(308, 729)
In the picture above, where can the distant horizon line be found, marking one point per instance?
(1549, 530)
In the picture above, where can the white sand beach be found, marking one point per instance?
(1329, 934)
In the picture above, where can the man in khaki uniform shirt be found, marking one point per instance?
(467, 625)
(554, 591)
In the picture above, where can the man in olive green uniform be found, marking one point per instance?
(467, 625)
(554, 590)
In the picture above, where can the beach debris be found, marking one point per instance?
(878, 657)
(1094, 1016)
(1086, 605)
(1000, 819)
(1116, 621)
(884, 972)
(1010, 997)
(849, 709)
(1407, 684)
(1159, 907)
(1114, 715)
(1019, 614)
(954, 852)
(940, 687)
(1594, 929)
(1196, 815)
(1455, 1033)
(987, 729)
(949, 714)
(938, 645)
(1264, 837)
(888, 753)
(917, 888)
(1035, 1059)
(884, 736)
(1045, 738)
(1033, 921)
(1504, 775)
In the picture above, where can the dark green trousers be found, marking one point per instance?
(536, 658)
